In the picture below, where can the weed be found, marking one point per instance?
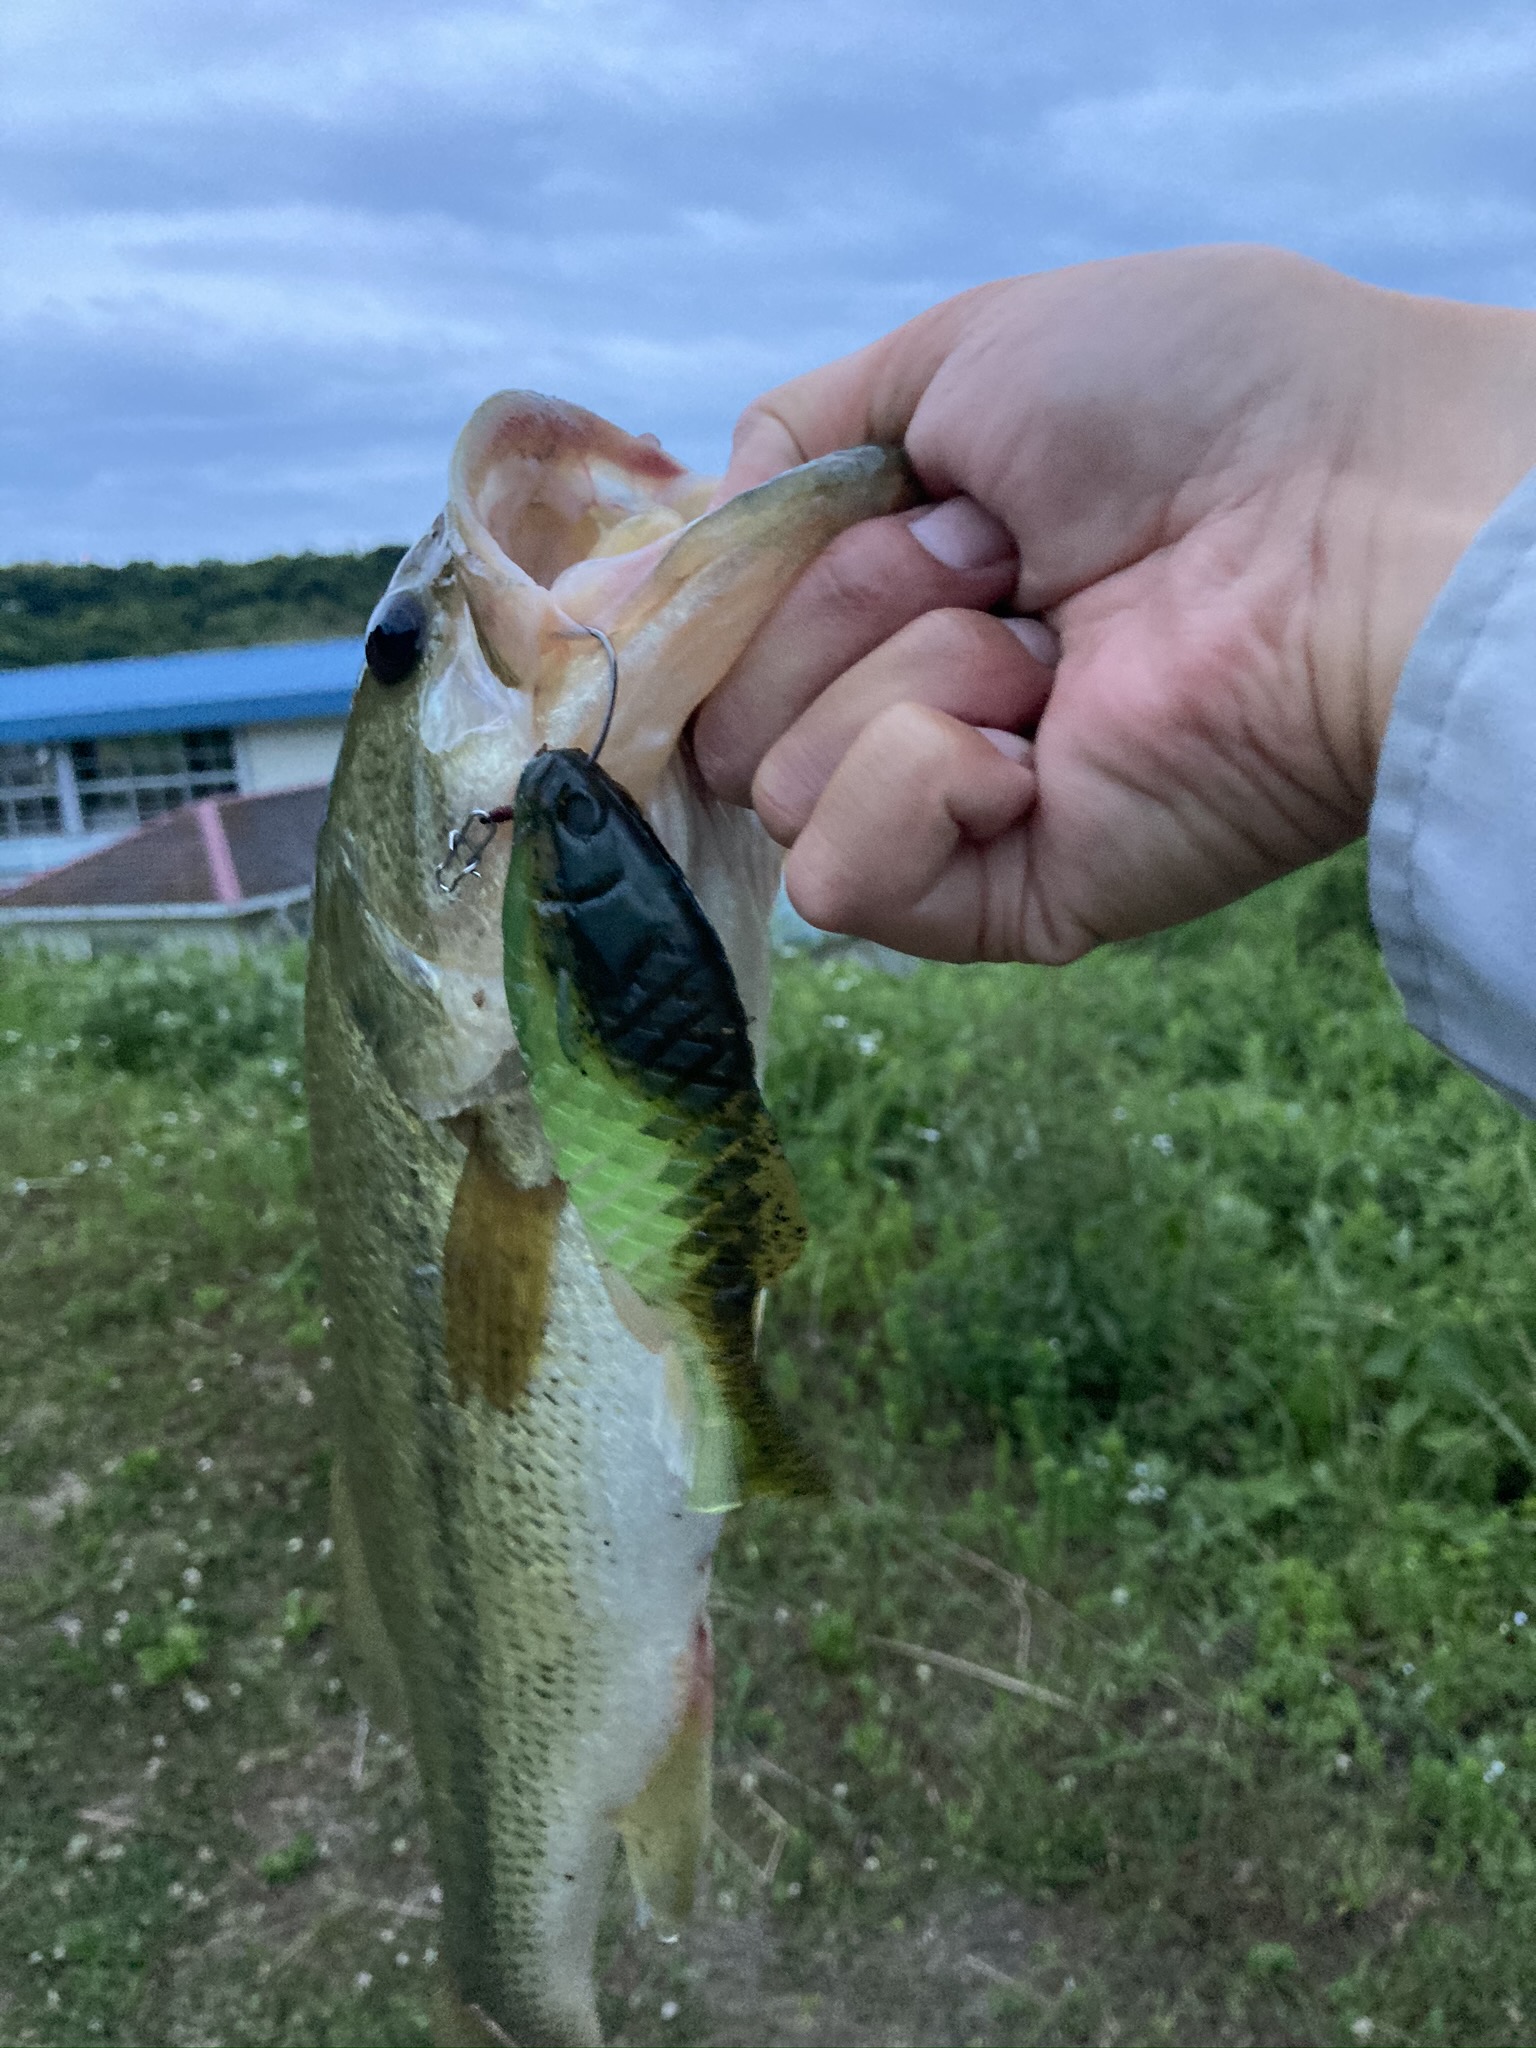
(291, 1861)
(1160, 1668)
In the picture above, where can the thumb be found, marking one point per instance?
(870, 395)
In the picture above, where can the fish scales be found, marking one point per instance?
(524, 1583)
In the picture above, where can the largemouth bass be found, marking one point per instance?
(533, 1436)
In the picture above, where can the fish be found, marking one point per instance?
(534, 1447)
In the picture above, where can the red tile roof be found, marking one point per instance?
(223, 849)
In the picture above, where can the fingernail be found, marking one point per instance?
(961, 536)
(1008, 743)
(1036, 637)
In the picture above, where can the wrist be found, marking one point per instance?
(1455, 432)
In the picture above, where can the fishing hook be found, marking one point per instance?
(613, 686)
(470, 840)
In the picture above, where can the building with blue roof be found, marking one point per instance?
(90, 751)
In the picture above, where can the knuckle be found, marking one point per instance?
(953, 637)
(865, 573)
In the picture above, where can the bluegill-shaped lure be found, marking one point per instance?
(637, 1053)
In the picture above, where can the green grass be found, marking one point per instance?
(1159, 1670)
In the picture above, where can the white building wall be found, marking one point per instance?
(282, 756)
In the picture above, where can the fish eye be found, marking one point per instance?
(579, 813)
(396, 638)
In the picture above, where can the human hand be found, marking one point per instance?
(1233, 482)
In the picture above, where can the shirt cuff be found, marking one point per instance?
(1453, 825)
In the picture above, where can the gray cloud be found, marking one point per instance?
(263, 262)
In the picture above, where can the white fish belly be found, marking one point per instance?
(590, 1582)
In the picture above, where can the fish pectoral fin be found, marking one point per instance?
(664, 1830)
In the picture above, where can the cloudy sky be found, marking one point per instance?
(260, 258)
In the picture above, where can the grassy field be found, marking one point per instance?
(1160, 1670)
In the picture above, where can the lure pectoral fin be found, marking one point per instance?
(637, 1052)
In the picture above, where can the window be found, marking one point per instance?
(29, 792)
(125, 782)
(111, 785)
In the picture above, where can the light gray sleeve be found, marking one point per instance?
(1453, 826)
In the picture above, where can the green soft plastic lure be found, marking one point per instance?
(637, 1052)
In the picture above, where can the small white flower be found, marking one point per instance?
(1409, 1669)
(792, 1890)
(399, 1845)
(305, 1396)
(1362, 2028)
(924, 1674)
(295, 1545)
(194, 1386)
(781, 1615)
(669, 2009)
(363, 1979)
(871, 1862)
(118, 1690)
(112, 1853)
(195, 1899)
(70, 1627)
(839, 1791)
(195, 1702)
(1119, 1113)
(1163, 1144)
(1521, 1618)
(21, 1187)
(929, 1135)
(191, 1578)
(36, 1956)
(1119, 1596)
(121, 1618)
(1494, 1772)
(152, 1768)
(429, 1956)
(76, 1846)
(54, 2001)
(185, 1604)
(1343, 1763)
(205, 1464)
(79, 1166)
(176, 1890)
(324, 1547)
(111, 1637)
(157, 1742)
(205, 1854)
(235, 1688)
(436, 1895)
(401, 1958)
(868, 1043)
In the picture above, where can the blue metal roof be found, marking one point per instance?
(172, 692)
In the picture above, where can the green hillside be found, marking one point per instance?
(53, 611)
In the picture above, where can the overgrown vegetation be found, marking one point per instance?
(51, 611)
(1162, 1669)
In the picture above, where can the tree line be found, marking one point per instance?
(56, 612)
